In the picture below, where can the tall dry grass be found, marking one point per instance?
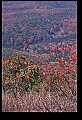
(38, 101)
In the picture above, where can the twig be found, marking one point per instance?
(57, 103)
(46, 108)
(61, 89)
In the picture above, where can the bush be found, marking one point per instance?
(19, 74)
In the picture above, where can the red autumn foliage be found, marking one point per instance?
(29, 74)
(9, 78)
(62, 82)
(28, 78)
(13, 59)
(30, 68)
(24, 79)
(49, 81)
(61, 74)
(65, 89)
(21, 76)
(71, 82)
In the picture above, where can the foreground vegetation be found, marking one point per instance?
(22, 79)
